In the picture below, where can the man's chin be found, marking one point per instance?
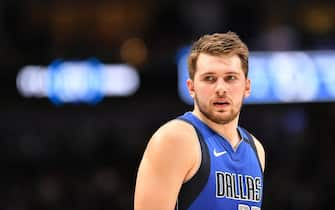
(222, 117)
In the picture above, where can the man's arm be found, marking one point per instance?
(168, 158)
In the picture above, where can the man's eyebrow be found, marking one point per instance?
(226, 73)
(231, 72)
(207, 73)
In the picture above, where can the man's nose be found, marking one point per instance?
(221, 87)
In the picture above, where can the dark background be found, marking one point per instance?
(83, 157)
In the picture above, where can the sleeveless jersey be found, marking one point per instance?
(227, 179)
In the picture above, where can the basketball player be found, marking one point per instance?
(204, 160)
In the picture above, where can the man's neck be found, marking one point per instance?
(227, 130)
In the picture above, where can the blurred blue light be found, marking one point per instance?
(77, 81)
(183, 75)
(260, 85)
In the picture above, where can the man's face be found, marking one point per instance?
(219, 87)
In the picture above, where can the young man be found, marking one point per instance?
(203, 160)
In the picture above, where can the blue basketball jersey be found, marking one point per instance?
(227, 179)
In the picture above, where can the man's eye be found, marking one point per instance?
(231, 77)
(209, 78)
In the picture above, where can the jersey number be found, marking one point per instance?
(245, 207)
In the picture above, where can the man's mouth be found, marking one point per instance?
(224, 103)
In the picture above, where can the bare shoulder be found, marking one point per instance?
(174, 130)
(176, 136)
(175, 140)
(166, 162)
(260, 151)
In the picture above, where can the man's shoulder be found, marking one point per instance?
(260, 151)
(175, 130)
(256, 141)
(173, 143)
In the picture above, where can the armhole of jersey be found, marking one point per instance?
(253, 146)
(193, 187)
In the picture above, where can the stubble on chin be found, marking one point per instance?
(209, 114)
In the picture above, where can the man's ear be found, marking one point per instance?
(247, 88)
(190, 87)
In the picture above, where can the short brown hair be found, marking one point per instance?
(218, 44)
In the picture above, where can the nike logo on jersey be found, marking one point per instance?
(218, 154)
